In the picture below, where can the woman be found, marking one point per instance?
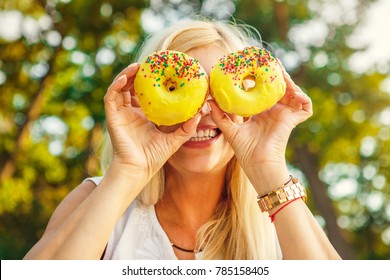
(165, 196)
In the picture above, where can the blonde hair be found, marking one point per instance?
(238, 229)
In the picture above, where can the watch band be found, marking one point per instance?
(288, 191)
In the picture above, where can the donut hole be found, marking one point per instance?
(248, 83)
(170, 85)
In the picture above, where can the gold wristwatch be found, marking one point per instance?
(291, 190)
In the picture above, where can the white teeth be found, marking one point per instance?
(203, 135)
(206, 133)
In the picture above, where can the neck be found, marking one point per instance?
(191, 198)
(189, 201)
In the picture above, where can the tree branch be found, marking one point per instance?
(309, 165)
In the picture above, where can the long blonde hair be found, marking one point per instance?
(238, 229)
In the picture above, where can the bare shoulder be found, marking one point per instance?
(64, 210)
(70, 203)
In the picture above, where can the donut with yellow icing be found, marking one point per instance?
(171, 87)
(231, 75)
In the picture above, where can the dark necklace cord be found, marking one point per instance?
(185, 250)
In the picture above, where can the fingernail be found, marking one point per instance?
(208, 105)
(206, 108)
(133, 64)
(197, 118)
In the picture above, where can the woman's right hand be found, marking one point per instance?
(136, 141)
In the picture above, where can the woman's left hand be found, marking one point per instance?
(260, 142)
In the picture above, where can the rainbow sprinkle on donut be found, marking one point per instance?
(229, 74)
(237, 62)
(171, 87)
(185, 67)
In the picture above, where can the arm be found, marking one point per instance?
(62, 212)
(83, 222)
(299, 234)
(260, 145)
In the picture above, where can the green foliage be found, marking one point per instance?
(52, 113)
(52, 105)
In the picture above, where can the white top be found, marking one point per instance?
(138, 235)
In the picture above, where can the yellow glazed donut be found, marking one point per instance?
(171, 87)
(229, 76)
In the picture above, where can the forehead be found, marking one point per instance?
(207, 55)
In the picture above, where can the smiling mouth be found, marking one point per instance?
(205, 134)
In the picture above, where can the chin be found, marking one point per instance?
(200, 164)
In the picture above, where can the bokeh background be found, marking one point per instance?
(58, 57)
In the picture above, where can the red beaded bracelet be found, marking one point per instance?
(272, 217)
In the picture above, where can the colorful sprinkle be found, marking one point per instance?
(184, 66)
(251, 57)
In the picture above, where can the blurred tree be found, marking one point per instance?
(55, 68)
(57, 58)
(313, 39)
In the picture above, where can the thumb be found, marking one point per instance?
(222, 120)
(186, 130)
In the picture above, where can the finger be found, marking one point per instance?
(221, 119)
(293, 94)
(205, 109)
(286, 77)
(301, 107)
(135, 102)
(294, 104)
(285, 98)
(291, 87)
(134, 97)
(295, 97)
(126, 98)
(189, 127)
(110, 99)
(130, 72)
(305, 101)
(131, 89)
(185, 131)
(299, 102)
(119, 100)
(217, 114)
(130, 83)
(300, 116)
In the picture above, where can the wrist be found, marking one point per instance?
(125, 169)
(121, 186)
(274, 211)
(282, 196)
(265, 180)
(126, 175)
